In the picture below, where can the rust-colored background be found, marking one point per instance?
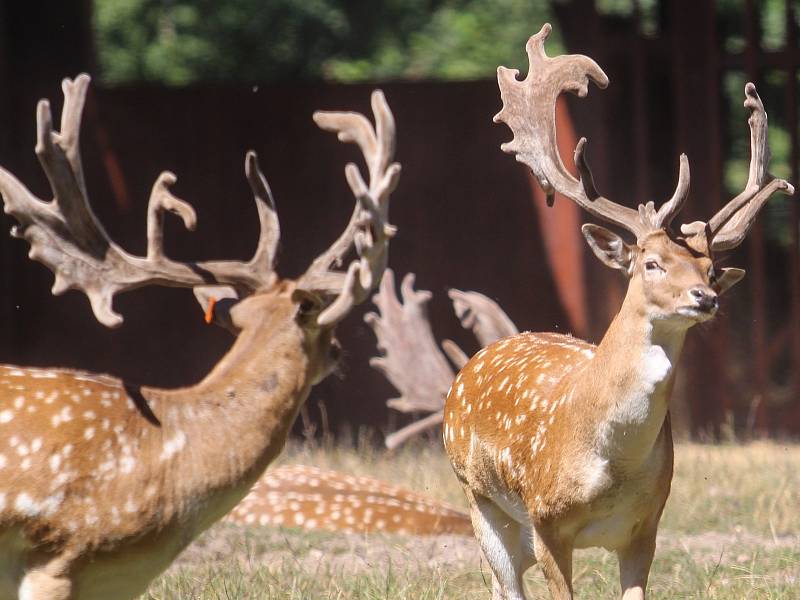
(468, 214)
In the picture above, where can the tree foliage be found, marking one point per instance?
(248, 41)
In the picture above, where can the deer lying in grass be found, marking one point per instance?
(102, 483)
(316, 499)
(560, 444)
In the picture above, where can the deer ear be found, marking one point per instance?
(216, 301)
(609, 247)
(728, 278)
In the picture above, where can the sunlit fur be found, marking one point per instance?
(562, 444)
(103, 483)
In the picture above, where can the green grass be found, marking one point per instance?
(731, 530)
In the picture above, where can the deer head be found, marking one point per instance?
(671, 272)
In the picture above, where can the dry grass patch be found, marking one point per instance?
(731, 531)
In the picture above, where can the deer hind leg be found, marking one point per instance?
(555, 555)
(634, 564)
(505, 544)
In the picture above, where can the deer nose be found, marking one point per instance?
(705, 299)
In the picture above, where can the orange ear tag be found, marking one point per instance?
(212, 302)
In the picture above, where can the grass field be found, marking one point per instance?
(731, 530)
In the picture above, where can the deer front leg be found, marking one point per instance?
(634, 564)
(48, 582)
(555, 555)
(504, 543)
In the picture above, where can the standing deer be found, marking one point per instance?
(103, 483)
(561, 444)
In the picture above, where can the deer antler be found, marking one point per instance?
(529, 111)
(66, 236)
(730, 225)
(482, 315)
(412, 361)
(368, 231)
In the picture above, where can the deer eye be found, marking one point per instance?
(307, 305)
(652, 266)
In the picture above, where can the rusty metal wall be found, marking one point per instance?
(467, 212)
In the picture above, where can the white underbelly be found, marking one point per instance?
(613, 517)
(512, 505)
(611, 531)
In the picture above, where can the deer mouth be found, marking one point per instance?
(698, 313)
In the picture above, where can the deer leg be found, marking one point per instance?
(634, 564)
(504, 543)
(555, 556)
(38, 584)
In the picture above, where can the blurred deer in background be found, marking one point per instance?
(314, 499)
(561, 444)
(103, 483)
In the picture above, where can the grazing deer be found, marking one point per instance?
(412, 361)
(314, 499)
(103, 483)
(561, 444)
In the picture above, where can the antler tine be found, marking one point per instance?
(411, 360)
(529, 111)
(482, 315)
(368, 230)
(402, 435)
(673, 206)
(162, 199)
(730, 225)
(66, 236)
(265, 256)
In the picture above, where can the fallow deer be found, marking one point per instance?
(317, 499)
(103, 483)
(561, 444)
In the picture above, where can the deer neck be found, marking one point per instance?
(226, 430)
(631, 380)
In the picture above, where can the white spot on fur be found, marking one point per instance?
(173, 445)
(6, 416)
(26, 505)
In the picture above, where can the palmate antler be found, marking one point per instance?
(368, 230)
(529, 111)
(66, 236)
(412, 361)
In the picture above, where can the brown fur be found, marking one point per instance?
(562, 444)
(106, 483)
